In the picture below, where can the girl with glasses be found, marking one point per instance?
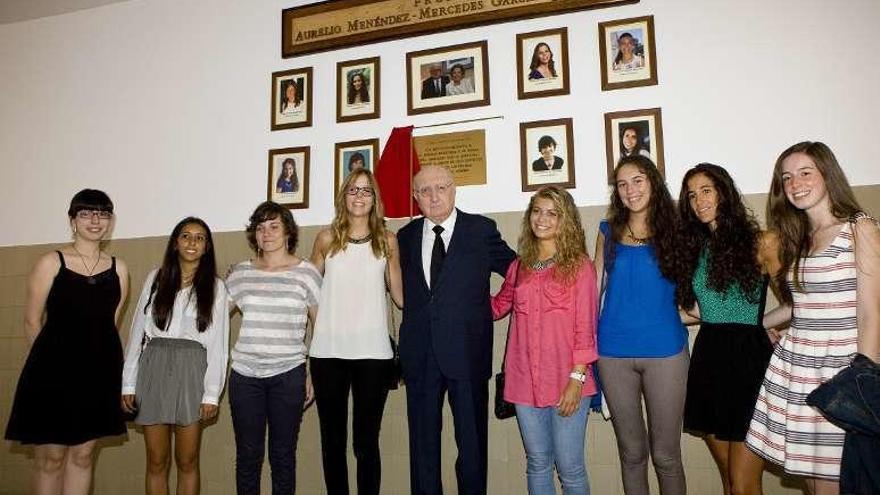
(351, 351)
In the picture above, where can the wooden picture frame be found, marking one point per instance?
(638, 131)
(537, 80)
(636, 34)
(286, 115)
(547, 154)
(346, 156)
(429, 75)
(294, 192)
(358, 89)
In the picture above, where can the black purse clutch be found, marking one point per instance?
(504, 409)
(395, 374)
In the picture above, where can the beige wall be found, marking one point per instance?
(120, 463)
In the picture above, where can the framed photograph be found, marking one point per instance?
(542, 63)
(357, 89)
(292, 98)
(352, 155)
(447, 78)
(627, 52)
(635, 132)
(289, 177)
(547, 154)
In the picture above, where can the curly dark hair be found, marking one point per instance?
(662, 218)
(732, 246)
(270, 210)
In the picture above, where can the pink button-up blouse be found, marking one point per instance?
(553, 329)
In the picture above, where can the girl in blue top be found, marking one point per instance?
(642, 342)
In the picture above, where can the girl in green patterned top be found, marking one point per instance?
(726, 262)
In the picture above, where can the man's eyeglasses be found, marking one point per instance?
(439, 189)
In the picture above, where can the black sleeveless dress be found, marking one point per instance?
(69, 389)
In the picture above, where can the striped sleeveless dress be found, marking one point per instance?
(821, 341)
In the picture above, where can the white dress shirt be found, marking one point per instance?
(428, 240)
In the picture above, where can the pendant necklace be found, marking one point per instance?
(639, 241)
(539, 265)
(90, 277)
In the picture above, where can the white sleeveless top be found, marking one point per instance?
(352, 320)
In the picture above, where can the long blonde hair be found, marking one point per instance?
(571, 246)
(340, 226)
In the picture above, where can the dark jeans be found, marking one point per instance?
(367, 379)
(255, 402)
(851, 400)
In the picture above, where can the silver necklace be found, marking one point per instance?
(89, 277)
(539, 265)
(362, 240)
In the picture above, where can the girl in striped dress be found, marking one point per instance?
(830, 281)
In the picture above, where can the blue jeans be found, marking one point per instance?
(276, 402)
(552, 439)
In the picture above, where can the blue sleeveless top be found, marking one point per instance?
(639, 316)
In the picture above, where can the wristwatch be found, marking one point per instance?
(576, 375)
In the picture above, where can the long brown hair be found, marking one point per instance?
(571, 246)
(791, 224)
(340, 226)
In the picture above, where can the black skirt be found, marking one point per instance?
(726, 371)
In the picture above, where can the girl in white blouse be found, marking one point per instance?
(175, 366)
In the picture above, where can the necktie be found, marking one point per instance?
(438, 253)
(437, 87)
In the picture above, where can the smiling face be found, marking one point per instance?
(633, 188)
(803, 183)
(271, 235)
(91, 225)
(544, 219)
(191, 243)
(435, 192)
(357, 81)
(547, 152)
(290, 92)
(626, 45)
(703, 199)
(435, 71)
(359, 197)
(287, 173)
(630, 138)
(544, 54)
(457, 74)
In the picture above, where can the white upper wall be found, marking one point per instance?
(165, 104)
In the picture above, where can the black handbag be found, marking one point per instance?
(395, 374)
(504, 409)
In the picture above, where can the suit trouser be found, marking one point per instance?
(469, 402)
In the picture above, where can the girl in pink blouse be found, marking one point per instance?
(551, 289)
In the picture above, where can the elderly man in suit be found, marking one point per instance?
(447, 258)
(435, 85)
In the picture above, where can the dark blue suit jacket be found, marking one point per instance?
(455, 317)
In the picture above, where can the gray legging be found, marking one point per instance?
(662, 382)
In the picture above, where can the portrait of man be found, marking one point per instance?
(435, 85)
(446, 258)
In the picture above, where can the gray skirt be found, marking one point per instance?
(170, 382)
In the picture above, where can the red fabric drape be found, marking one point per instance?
(397, 166)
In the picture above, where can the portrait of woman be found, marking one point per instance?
(351, 353)
(548, 160)
(458, 84)
(727, 261)
(358, 90)
(291, 101)
(175, 365)
(288, 181)
(830, 285)
(542, 65)
(632, 139)
(68, 392)
(277, 293)
(643, 345)
(550, 289)
(627, 58)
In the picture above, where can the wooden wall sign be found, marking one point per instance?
(339, 23)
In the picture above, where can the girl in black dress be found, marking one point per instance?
(68, 392)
